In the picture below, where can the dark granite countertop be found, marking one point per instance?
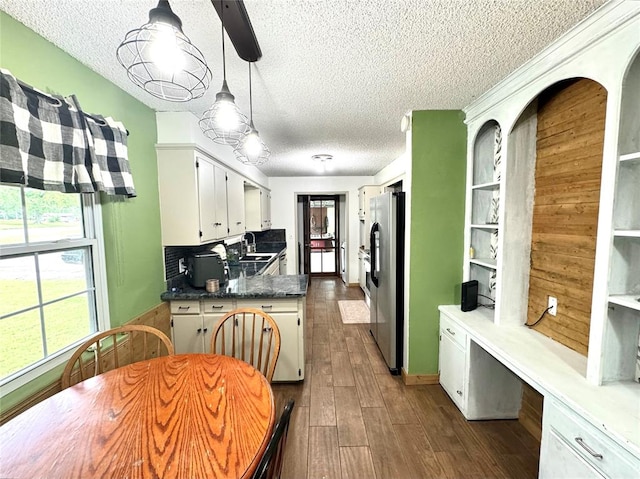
(245, 281)
(257, 286)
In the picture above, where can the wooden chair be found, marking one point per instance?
(138, 346)
(270, 466)
(250, 335)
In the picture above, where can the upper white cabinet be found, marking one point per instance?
(200, 201)
(257, 208)
(365, 193)
(235, 203)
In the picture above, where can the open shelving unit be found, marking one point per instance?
(482, 234)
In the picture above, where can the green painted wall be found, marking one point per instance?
(131, 226)
(438, 173)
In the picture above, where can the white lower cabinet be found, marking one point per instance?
(574, 448)
(192, 323)
(289, 316)
(452, 364)
(465, 371)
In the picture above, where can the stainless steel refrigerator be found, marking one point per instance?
(387, 276)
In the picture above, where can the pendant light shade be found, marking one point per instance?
(224, 123)
(160, 58)
(252, 150)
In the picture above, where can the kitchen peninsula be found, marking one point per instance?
(194, 312)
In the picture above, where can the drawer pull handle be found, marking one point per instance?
(184, 308)
(204, 330)
(580, 441)
(459, 392)
(452, 333)
(199, 330)
(267, 330)
(216, 307)
(268, 306)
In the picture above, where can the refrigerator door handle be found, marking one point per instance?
(375, 231)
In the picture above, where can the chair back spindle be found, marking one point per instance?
(106, 355)
(251, 335)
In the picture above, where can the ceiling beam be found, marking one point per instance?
(239, 29)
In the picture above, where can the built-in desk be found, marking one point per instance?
(611, 412)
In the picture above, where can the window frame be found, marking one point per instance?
(94, 239)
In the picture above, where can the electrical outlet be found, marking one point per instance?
(181, 266)
(553, 305)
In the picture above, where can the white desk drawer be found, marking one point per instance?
(210, 306)
(270, 305)
(185, 307)
(590, 443)
(452, 330)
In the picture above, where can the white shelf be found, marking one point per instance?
(627, 300)
(631, 156)
(627, 233)
(490, 263)
(495, 185)
(486, 227)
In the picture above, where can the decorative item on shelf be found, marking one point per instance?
(224, 123)
(472, 252)
(494, 215)
(251, 150)
(161, 59)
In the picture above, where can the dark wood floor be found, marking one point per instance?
(352, 419)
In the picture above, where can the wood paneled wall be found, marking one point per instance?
(569, 148)
(530, 415)
(158, 317)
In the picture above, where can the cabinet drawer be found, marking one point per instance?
(452, 330)
(270, 305)
(185, 307)
(214, 306)
(590, 443)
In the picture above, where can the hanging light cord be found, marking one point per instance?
(224, 63)
(250, 96)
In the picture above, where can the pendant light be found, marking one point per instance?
(160, 58)
(224, 123)
(251, 150)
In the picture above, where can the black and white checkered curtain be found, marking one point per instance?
(48, 143)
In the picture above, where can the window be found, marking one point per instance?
(52, 279)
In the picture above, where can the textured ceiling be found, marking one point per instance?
(336, 76)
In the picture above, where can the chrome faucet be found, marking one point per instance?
(251, 247)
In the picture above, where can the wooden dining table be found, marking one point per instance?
(182, 416)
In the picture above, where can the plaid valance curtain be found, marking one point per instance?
(48, 143)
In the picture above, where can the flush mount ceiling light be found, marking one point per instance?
(224, 123)
(251, 150)
(322, 157)
(160, 58)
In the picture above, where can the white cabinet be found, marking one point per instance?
(192, 323)
(257, 208)
(219, 203)
(195, 198)
(572, 447)
(466, 370)
(452, 361)
(362, 274)
(265, 208)
(289, 315)
(365, 193)
(235, 203)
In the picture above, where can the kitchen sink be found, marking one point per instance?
(257, 257)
